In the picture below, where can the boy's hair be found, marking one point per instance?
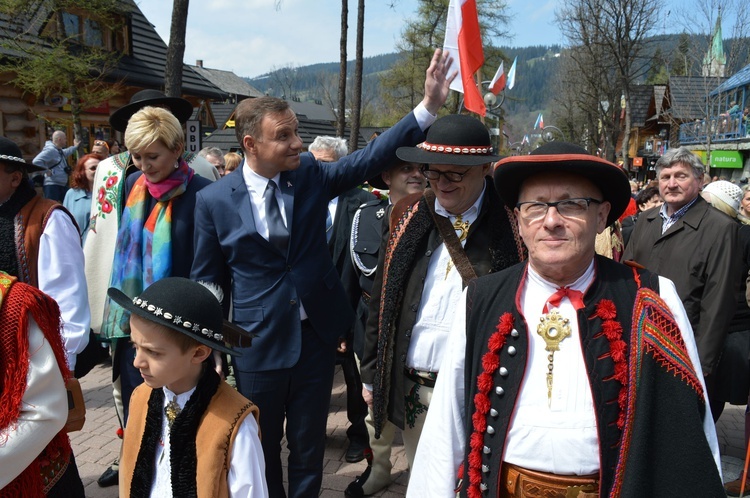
(184, 342)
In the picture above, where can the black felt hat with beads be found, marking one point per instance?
(187, 307)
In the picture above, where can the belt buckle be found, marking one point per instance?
(576, 491)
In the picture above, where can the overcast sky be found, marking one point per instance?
(251, 37)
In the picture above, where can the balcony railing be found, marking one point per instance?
(719, 129)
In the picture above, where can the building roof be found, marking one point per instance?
(308, 130)
(312, 110)
(228, 82)
(226, 140)
(738, 79)
(640, 98)
(222, 113)
(143, 67)
(686, 96)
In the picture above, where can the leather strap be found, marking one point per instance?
(517, 482)
(448, 233)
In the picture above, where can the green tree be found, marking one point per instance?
(59, 47)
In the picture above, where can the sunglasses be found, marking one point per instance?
(101, 142)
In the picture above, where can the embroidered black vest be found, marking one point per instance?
(670, 407)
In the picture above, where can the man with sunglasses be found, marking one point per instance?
(439, 240)
(570, 375)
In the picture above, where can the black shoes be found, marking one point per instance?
(354, 489)
(111, 476)
(355, 453)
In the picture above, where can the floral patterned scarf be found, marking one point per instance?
(143, 253)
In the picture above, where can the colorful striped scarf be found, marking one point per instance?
(143, 253)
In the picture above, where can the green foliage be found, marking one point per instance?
(46, 62)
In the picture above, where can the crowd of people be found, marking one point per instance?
(534, 325)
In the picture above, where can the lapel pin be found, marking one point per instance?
(289, 184)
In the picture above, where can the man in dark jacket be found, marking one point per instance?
(696, 247)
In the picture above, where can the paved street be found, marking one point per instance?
(97, 445)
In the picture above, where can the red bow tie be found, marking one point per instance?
(576, 298)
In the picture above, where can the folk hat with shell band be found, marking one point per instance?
(10, 153)
(187, 307)
(454, 139)
(179, 107)
(563, 157)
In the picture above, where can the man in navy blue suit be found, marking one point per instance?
(260, 233)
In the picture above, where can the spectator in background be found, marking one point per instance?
(215, 156)
(54, 158)
(101, 149)
(114, 147)
(78, 198)
(339, 218)
(231, 161)
(645, 199)
(696, 247)
(744, 211)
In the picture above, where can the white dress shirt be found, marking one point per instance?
(60, 274)
(441, 447)
(247, 469)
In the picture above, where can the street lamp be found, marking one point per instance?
(551, 133)
(491, 101)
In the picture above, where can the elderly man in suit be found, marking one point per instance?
(262, 230)
(339, 218)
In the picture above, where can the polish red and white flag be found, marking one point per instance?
(464, 42)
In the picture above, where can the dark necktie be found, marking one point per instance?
(278, 234)
(329, 225)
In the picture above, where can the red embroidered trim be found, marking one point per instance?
(612, 330)
(490, 364)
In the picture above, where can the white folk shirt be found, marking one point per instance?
(441, 447)
(440, 296)
(247, 468)
(60, 274)
(558, 437)
(44, 408)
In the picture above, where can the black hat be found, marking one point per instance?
(454, 139)
(180, 108)
(188, 307)
(563, 157)
(11, 153)
(377, 180)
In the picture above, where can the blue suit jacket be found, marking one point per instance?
(267, 286)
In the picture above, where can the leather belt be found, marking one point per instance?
(426, 379)
(517, 482)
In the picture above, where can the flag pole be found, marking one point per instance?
(478, 81)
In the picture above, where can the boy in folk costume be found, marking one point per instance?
(189, 433)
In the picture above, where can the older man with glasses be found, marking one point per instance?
(571, 374)
(440, 239)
